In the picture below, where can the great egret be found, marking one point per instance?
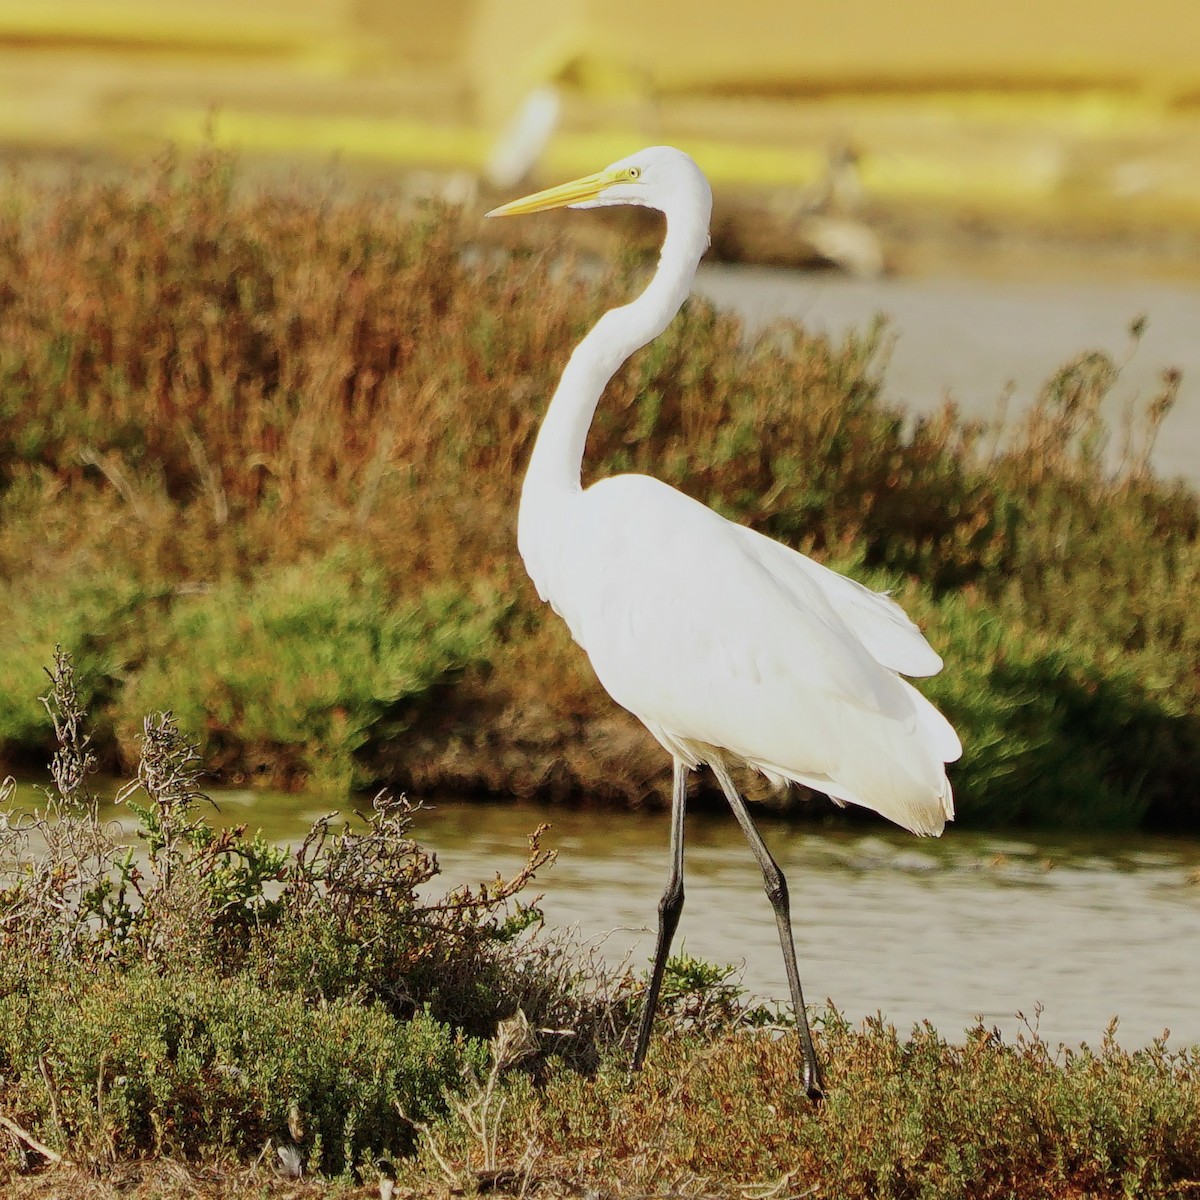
(729, 647)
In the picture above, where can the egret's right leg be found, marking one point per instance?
(777, 892)
(669, 908)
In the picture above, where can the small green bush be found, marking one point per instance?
(91, 615)
(121, 1063)
(304, 664)
(1062, 732)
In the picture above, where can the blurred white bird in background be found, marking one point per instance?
(521, 142)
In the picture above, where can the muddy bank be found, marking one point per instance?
(493, 750)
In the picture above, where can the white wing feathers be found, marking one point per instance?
(877, 621)
(723, 642)
(884, 780)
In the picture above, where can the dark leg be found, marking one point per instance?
(669, 908)
(777, 893)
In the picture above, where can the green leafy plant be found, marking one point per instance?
(306, 665)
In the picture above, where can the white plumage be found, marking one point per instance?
(733, 644)
(727, 645)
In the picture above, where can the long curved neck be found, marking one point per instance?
(557, 460)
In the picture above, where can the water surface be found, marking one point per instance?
(968, 925)
(976, 340)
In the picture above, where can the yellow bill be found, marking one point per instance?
(575, 192)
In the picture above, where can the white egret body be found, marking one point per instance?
(727, 645)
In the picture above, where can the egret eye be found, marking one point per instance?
(634, 172)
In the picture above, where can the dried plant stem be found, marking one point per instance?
(29, 1140)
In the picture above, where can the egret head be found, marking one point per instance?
(658, 177)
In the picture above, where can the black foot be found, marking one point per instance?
(814, 1085)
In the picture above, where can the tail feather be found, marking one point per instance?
(895, 767)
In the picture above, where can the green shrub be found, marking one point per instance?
(210, 991)
(1059, 734)
(304, 664)
(91, 615)
(122, 1063)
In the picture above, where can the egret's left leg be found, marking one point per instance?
(777, 892)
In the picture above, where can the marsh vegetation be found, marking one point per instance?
(259, 452)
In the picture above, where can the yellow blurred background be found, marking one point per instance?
(1071, 112)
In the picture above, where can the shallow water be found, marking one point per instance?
(969, 925)
(973, 340)
(939, 930)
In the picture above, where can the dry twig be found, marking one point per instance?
(29, 1140)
